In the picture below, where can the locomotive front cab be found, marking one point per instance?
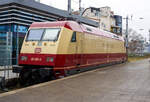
(49, 49)
(40, 47)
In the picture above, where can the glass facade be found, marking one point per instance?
(5, 45)
(19, 32)
(11, 38)
(14, 23)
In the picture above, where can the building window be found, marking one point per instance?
(20, 28)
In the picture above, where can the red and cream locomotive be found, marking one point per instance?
(61, 48)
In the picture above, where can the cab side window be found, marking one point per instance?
(73, 39)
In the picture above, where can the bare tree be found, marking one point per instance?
(136, 42)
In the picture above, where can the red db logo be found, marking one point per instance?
(37, 50)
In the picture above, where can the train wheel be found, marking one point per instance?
(24, 76)
(29, 77)
(36, 77)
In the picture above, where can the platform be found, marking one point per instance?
(129, 82)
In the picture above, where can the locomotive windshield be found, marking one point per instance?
(35, 34)
(44, 34)
(51, 34)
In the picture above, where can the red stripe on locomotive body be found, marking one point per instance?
(66, 60)
(37, 59)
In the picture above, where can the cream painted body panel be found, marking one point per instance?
(100, 44)
(76, 47)
(47, 47)
(64, 42)
(86, 44)
(50, 47)
(60, 46)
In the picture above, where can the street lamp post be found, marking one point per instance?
(126, 37)
(149, 35)
(69, 6)
(80, 11)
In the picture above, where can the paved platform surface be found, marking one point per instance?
(128, 82)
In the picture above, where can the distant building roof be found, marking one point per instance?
(47, 9)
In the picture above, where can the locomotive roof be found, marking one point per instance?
(77, 27)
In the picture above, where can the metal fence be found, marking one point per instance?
(7, 76)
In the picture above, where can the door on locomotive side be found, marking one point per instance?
(77, 48)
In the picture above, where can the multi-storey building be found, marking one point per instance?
(106, 18)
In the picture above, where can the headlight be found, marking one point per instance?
(50, 59)
(24, 58)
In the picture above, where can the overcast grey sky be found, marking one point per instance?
(137, 8)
